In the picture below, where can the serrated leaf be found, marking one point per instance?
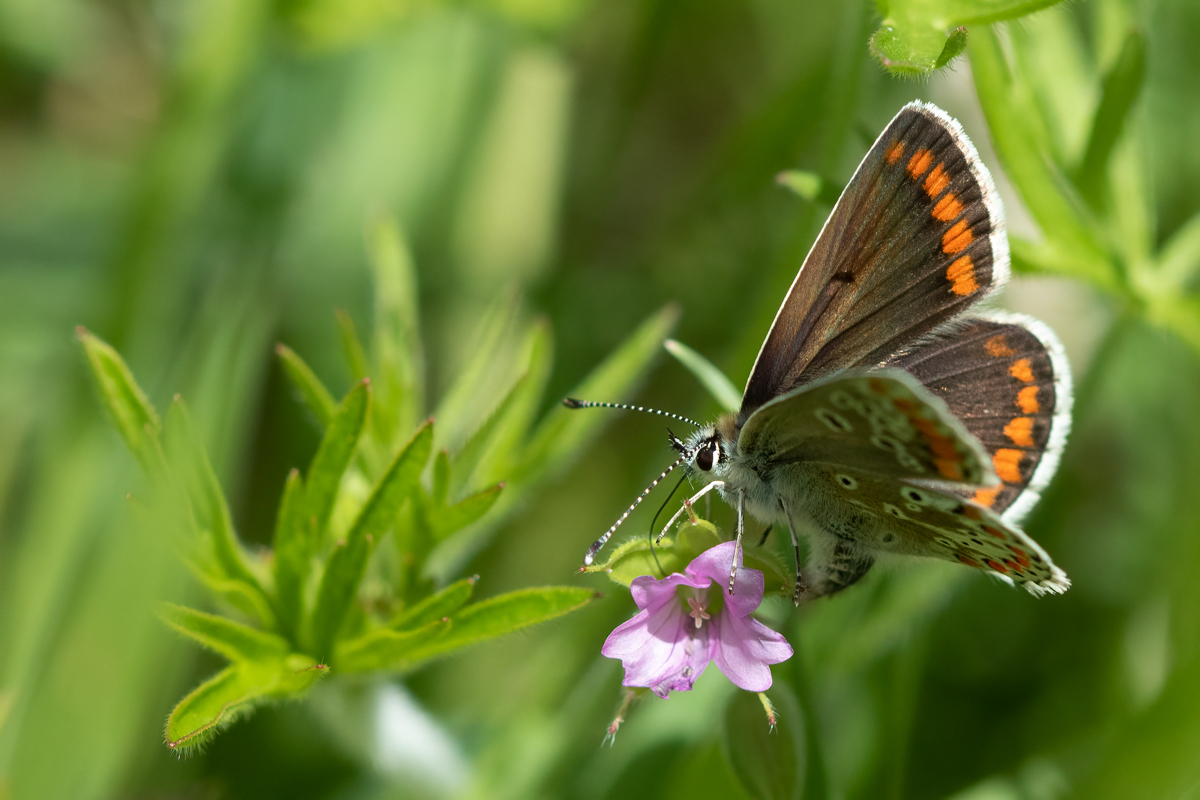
(1120, 89)
(131, 412)
(769, 764)
(235, 641)
(564, 431)
(235, 691)
(211, 511)
(437, 605)
(449, 519)
(293, 549)
(494, 617)
(399, 354)
(347, 564)
(711, 378)
(333, 456)
(312, 392)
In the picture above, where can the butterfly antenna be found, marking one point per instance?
(599, 543)
(571, 402)
(654, 522)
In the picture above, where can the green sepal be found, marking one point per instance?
(711, 378)
(132, 413)
(293, 549)
(435, 606)
(332, 458)
(316, 397)
(235, 691)
(348, 562)
(401, 651)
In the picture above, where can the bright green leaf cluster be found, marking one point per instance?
(919, 36)
(1088, 193)
(327, 599)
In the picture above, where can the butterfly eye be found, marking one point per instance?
(707, 457)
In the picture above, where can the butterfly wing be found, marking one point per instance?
(916, 237)
(883, 422)
(897, 517)
(1007, 380)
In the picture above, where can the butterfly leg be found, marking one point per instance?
(800, 587)
(737, 548)
(687, 504)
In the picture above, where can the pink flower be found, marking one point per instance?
(683, 624)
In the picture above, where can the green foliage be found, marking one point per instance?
(278, 661)
(711, 378)
(768, 759)
(919, 36)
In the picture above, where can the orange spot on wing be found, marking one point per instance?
(947, 208)
(986, 497)
(894, 151)
(919, 163)
(1020, 430)
(957, 238)
(949, 468)
(973, 513)
(1007, 464)
(1014, 566)
(996, 565)
(990, 531)
(936, 182)
(997, 347)
(970, 562)
(1021, 370)
(1021, 555)
(1027, 400)
(961, 274)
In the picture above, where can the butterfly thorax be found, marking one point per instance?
(714, 456)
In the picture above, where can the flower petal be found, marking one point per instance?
(648, 590)
(743, 648)
(714, 564)
(661, 649)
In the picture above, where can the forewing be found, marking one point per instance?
(923, 521)
(882, 421)
(916, 237)
(1007, 380)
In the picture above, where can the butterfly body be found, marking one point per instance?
(880, 417)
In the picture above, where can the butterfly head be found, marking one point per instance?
(708, 450)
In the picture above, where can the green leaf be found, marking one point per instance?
(209, 507)
(1179, 259)
(496, 616)
(399, 354)
(437, 605)
(918, 36)
(132, 414)
(441, 478)
(314, 394)
(332, 458)
(1070, 241)
(565, 431)
(636, 557)
(499, 451)
(718, 385)
(768, 763)
(388, 649)
(347, 564)
(352, 348)
(293, 548)
(235, 641)
(448, 519)
(807, 185)
(238, 595)
(1120, 89)
(235, 691)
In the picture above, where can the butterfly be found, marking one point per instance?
(880, 416)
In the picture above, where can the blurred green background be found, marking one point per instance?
(192, 181)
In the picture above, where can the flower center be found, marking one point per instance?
(698, 606)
